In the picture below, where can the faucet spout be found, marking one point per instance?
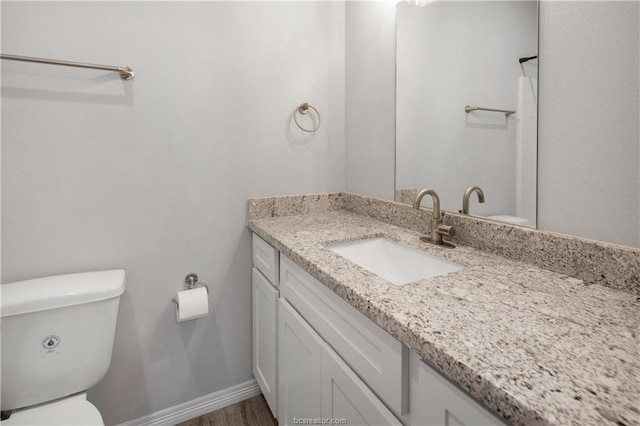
(438, 229)
(434, 197)
(467, 194)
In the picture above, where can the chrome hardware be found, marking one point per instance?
(469, 108)
(467, 194)
(303, 109)
(446, 230)
(438, 229)
(126, 73)
(522, 60)
(191, 282)
(435, 198)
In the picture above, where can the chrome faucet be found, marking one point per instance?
(467, 194)
(438, 229)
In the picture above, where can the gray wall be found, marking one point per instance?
(370, 46)
(153, 175)
(588, 115)
(588, 158)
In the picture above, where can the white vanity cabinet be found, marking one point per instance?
(345, 396)
(300, 366)
(265, 320)
(316, 357)
(437, 401)
(315, 383)
(377, 358)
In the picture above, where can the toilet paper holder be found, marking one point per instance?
(191, 282)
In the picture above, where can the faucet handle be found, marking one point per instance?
(446, 230)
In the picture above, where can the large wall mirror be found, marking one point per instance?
(582, 175)
(482, 56)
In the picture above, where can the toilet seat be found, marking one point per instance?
(73, 410)
(510, 219)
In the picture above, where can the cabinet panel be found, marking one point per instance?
(265, 327)
(436, 401)
(299, 368)
(379, 359)
(345, 396)
(266, 259)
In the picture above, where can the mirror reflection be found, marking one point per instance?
(466, 109)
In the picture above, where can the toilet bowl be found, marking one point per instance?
(514, 220)
(57, 341)
(70, 411)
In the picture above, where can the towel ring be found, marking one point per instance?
(304, 109)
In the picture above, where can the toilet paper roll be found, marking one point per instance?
(192, 304)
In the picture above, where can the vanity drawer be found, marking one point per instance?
(380, 360)
(265, 258)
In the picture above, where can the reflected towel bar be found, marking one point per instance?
(468, 109)
(126, 73)
(523, 60)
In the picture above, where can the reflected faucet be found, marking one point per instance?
(438, 229)
(467, 194)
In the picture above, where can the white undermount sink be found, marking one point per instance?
(394, 262)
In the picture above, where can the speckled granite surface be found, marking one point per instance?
(294, 205)
(406, 195)
(593, 262)
(536, 346)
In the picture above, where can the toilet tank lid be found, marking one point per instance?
(59, 291)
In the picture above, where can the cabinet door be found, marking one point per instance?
(436, 401)
(378, 359)
(265, 338)
(299, 368)
(347, 398)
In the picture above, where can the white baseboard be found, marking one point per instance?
(199, 406)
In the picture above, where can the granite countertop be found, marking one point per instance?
(536, 346)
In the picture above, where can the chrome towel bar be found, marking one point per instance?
(468, 109)
(126, 73)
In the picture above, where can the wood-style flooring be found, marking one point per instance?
(250, 412)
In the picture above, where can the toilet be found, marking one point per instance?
(514, 220)
(57, 340)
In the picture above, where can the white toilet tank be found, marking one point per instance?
(57, 335)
